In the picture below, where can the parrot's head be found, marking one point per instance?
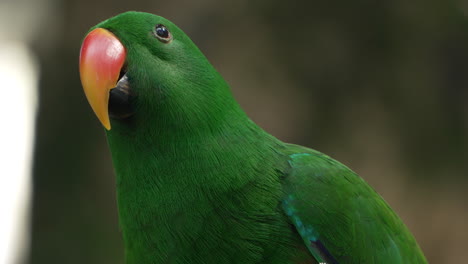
(138, 68)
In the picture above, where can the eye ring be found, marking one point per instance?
(162, 33)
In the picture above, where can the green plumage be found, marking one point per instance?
(198, 182)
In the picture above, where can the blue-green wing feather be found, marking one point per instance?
(340, 218)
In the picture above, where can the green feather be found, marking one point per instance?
(199, 182)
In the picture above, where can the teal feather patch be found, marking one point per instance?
(307, 232)
(294, 157)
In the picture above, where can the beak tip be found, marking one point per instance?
(106, 124)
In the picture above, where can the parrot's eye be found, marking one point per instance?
(162, 33)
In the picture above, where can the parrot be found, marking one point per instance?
(197, 181)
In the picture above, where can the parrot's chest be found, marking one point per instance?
(196, 225)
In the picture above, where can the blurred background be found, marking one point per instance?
(380, 86)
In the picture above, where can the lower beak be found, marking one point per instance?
(102, 57)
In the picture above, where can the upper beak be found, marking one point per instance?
(102, 57)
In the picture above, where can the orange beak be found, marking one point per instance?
(102, 57)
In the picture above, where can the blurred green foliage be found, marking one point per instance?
(381, 86)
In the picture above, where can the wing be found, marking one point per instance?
(339, 216)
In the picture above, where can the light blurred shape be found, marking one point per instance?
(19, 81)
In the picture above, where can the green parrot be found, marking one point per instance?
(199, 182)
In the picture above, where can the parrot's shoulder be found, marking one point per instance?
(339, 216)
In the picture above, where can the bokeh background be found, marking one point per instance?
(382, 86)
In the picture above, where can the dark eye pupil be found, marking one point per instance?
(162, 31)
